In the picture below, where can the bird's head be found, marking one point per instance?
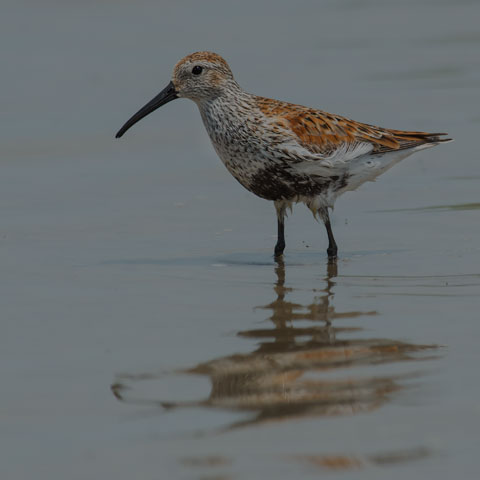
(201, 76)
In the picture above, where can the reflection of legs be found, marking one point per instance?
(332, 245)
(332, 272)
(280, 246)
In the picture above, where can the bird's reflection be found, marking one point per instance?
(284, 314)
(301, 367)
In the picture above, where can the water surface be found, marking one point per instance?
(147, 331)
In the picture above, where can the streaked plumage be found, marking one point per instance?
(280, 151)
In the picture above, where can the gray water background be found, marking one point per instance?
(141, 264)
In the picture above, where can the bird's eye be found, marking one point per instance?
(197, 70)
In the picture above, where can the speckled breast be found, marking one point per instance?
(257, 165)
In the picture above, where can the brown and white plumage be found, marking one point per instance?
(281, 151)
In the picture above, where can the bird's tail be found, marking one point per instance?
(420, 140)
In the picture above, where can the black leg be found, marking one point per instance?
(332, 245)
(280, 246)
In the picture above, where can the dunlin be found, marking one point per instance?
(283, 152)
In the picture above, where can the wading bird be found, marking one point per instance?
(283, 152)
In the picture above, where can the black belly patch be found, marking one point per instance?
(279, 184)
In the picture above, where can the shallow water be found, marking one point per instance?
(147, 331)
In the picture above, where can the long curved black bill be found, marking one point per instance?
(166, 95)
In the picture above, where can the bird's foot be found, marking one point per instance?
(279, 248)
(332, 254)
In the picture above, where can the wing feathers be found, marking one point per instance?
(337, 138)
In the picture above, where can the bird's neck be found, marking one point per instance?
(226, 114)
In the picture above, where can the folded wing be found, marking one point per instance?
(333, 139)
